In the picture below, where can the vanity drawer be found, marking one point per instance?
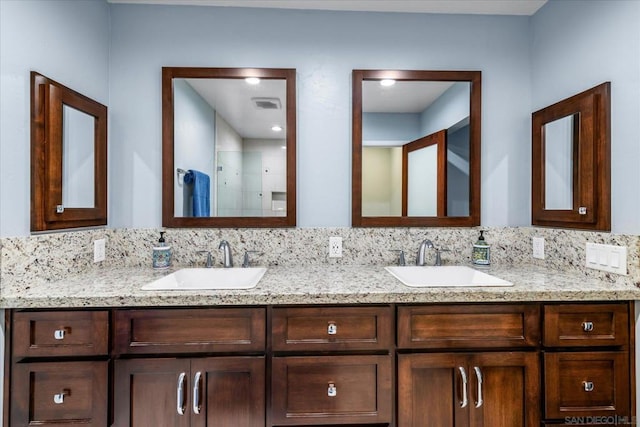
(331, 390)
(586, 384)
(576, 325)
(60, 333)
(153, 331)
(468, 326)
(59, 394)
(332, 328)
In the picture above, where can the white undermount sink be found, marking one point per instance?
(444, 276)
(208, 278)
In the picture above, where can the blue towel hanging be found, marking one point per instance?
(200, 181)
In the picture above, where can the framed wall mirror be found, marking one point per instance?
(228, 147)
(571, 162)
(68, 157)
(416, 148)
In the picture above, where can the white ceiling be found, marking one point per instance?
(482, 7)
(402, 97)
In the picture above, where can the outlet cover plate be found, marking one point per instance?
(538, 247)
(335, 247)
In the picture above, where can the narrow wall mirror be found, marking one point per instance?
(229, 147)
(68, 156)
(416, 148)
(571, 172)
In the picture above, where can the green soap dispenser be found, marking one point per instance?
(481, 254)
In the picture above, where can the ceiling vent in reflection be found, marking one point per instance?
(267, 103)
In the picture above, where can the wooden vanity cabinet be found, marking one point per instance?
(588, 368)
(332, 365)
(492, 380)
(59, 368)
(201, 367)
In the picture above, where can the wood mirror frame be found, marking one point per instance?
(473, 219)
(48, 99)
(590, 163)
(168, 167)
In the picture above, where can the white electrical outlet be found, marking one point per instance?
(99, 250)
(607, 258)
(538, 247)
(335, 247)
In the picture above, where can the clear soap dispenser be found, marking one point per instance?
(481, 254)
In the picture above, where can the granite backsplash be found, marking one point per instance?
(54, 256)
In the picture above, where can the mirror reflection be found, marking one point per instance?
(77, 158)
(560, 138)
(416, 148)
(415, 155)
(229, 147)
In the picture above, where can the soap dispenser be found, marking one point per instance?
(161, 254)
(481, 251)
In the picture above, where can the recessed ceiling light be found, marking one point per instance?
(387, 82)
(276, 128)
(284, 147)
(252, 80)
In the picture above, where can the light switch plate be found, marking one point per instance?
(99, 250)
(607, 258)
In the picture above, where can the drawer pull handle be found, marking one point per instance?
(59, 334)
(196, 393)
(479, 377)
(588, 386)
(332, 390)
(58, 398)
(332, 329)
(180, 394)
(587, 326)
(465, 399)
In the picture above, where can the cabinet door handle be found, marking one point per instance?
(587, 326)
(59, 334)
(332, 390)
(196, 393)
(58, 398)
(332, 329)
(588, 386)
(479, 402)
(465, 382)
(180, 394)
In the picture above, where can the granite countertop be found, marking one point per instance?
(322, 284)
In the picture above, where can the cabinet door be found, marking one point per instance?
(152, 392)
(433, 390)
(228, 392)
(504, 389)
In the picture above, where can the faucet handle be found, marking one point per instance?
(246, 261)
(209, 262)
(438, 255)
(401, 260)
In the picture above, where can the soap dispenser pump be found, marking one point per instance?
(161, 254)
(481, 251)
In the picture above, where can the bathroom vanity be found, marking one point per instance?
(284, 353)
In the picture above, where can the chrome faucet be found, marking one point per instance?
(426, 244)
(227, 259)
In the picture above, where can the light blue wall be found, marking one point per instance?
(527, 63)
(450, 108)
(67, 41)
(324, 47)
(578, 45)
(390, 126)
